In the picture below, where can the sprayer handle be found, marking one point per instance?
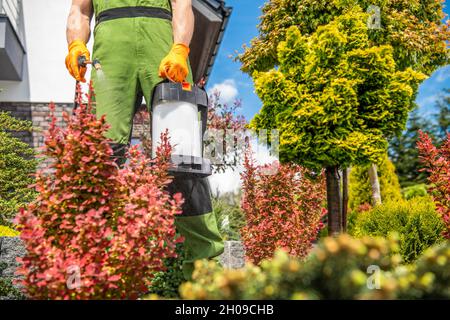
(82, 61)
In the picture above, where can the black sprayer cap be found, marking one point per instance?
(169, 91)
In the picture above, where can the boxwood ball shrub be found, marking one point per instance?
(416, 221)
(96, 231)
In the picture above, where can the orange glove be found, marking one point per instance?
(174, 66)
(77, 49)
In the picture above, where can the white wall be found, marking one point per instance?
(45, 33)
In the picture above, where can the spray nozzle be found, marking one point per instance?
(83, 62)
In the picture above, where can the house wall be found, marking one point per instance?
(45, 75)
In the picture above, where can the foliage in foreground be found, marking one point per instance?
(17, 164)
(283, 208)
(340, 268)
(436, 162)
(416, 221)
(96, 231)
(360, 189)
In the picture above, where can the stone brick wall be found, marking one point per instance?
(39, 115)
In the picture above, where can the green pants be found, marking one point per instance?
(130, 51)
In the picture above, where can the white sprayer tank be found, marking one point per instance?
(183, 112)
(182, 120)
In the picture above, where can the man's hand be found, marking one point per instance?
(78, 32)
(174, 66)
(77, 49)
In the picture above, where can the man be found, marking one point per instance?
(139, 43)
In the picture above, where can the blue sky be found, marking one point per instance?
(227, 77)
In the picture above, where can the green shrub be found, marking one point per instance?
(417, 190)
(17, 163)
(352, 217)
(360, 190)
(416, 221)
(166, 283)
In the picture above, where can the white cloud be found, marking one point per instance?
(443, 74)
(230, 181)
(227, 89)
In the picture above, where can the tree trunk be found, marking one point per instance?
(344, 198)
(334, 201)
(375, 184)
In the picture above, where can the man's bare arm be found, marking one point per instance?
(79, 21)
(183, 21)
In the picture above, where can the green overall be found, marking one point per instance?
(131, 38)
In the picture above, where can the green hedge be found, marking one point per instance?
(416, 221)
(17, 164)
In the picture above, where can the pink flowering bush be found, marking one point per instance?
(436, 162)
(227, 128)
(283, 209)
(96, 231)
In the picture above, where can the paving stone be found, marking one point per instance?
(10, 249)
(233, 256)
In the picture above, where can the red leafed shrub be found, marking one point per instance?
(283, 209)
(364, 207)
(228, 128)
(96, 231)
(436, 162)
